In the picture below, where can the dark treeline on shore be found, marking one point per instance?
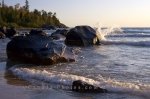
(20, 16)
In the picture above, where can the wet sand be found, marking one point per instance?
(12, 87)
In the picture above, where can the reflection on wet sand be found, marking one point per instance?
(12, 79)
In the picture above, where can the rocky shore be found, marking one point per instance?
(36, 47)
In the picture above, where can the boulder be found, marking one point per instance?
(83, 87)
(59, 34)
(38, 49)
(37, 32)
(82, 36)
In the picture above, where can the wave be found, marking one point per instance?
(66, 79)
(103, 32)
(130, 35)
(122, 32)
(136, 30)
(129, 43)
(50, 77)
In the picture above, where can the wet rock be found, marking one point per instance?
(37, 32)
(83, 87)
(38, 49)
(59, 34)
(82, 36)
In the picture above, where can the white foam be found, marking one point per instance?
(137, 35)
(118, 86)
(130, 43)
(113, 32)
(62, 78)
(51, 77)
(102, 33)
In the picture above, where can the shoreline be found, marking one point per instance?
(11, 87)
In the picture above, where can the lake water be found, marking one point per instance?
(120, 64)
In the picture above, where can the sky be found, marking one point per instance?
(120, 13)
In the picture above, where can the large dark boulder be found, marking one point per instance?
(38, 49)
(59, 34)
(82, 36)
(80, 86)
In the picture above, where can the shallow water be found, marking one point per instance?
(121, 65)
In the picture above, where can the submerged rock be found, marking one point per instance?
(38, 49)
(80, 86)
(82, 36)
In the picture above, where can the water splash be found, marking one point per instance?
(103, 32)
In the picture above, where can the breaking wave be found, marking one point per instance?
(137, 35)
(66, 79)
(129, 43)
(116, 33)
(136, 30)
(50, 77)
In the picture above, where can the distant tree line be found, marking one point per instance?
(17, 16)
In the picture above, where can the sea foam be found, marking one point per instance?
(50, 76)
(66, 79)
(129, 43)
